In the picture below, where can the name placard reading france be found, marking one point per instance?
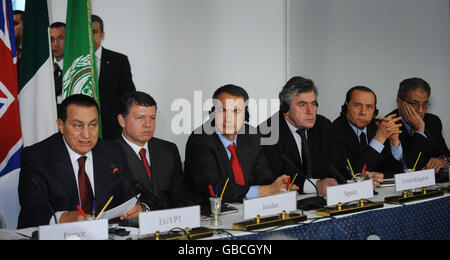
(165, 220)
(413, 180)
(270, 205)
(85, 230)
(349, 192)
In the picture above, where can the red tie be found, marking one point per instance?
(84, 186)
(237, 168)
(145, 163)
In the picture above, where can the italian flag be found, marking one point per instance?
(80, 69)
(36, 84)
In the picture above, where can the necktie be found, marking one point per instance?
(236, 166)
(142, 153)
(84, 186)
(362, 141)
(57, 74)
(306, 153)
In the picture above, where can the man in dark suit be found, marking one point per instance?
(114, 80)
(225, 147)
(421, 131)
(155, 163)
(72, 168)
(300, 135)
(358, 137)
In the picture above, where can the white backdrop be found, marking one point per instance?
(178, 46)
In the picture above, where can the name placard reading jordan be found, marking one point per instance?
(270, 205)
(413, 180)
(349, 192)
(165, 220)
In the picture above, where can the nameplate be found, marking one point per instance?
(349, 192)
(413, 180)
(270, 205)
(166, 220)
(85, 230)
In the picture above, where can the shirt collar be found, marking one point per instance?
(294, 129)
(74, 156)
(357, 130)
(225, 141)
(98, 53)
(136, 148)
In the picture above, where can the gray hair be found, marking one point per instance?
(297, 85)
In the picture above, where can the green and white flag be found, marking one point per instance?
(80, 70)
(36, 84)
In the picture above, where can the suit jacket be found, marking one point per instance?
(48, 163)
(345, 145)
(318, 140)
(115, 80)
(207, 163)
(167, 175)
(431, 147)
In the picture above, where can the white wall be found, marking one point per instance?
(178, 46)
(343, 43)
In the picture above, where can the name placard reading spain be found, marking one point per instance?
(413, 180)
(165, 220)
(349, 192)
(270, 205)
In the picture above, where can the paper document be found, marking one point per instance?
(119, 210)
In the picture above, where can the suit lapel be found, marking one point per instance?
(135, 164)
(291, 144)
(155, 165)
(63, 167)
(104, 66)
(244, 152)
(101, 177)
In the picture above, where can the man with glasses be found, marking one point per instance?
(421, 131)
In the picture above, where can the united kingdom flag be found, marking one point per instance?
(10, 131)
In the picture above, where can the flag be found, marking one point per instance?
(10, 130)
(80, 69)
(36, 83)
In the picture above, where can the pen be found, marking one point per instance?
(292, 183)
(414, 169)
(224, 187)
(288, 185)
(353, 173)
(364, 169)
(106, 205)
(81, 212)
(211, 192)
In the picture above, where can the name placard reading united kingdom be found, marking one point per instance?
(413, 180)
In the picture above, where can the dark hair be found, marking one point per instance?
(349, 96)
(96, 18)
(298, 85)
(412, 84)
(235, 91)
(57, 25)
(135, 97)
(22, 13)
(77, 99)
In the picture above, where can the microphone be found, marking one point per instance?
(141, 188)
(336, 174)
(47, 202)
(311, 203)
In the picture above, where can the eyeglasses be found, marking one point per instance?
(417, 105)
